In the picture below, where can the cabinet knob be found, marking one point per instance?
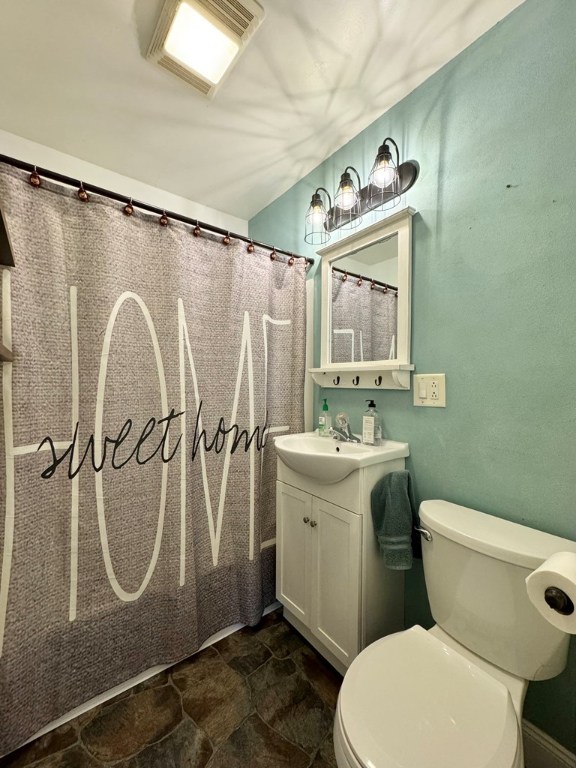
(306, 519)
(313, 524)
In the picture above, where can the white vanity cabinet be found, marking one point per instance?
(330, 575)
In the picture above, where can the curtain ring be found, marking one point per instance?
(396, 293)
(291, 260)
(82, 194)
(345, 277)
(250, 247)
(372, 285)
(163, 220)
(360, 281)
(196, 231)
(273, 254)
(226, 239)
(385, 288)
(34, 178)
(128, 209)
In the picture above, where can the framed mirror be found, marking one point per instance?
(366, 307)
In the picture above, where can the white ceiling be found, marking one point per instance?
(74, 77)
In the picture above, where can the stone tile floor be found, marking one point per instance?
(260, 698)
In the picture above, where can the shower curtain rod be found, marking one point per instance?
(68, 180)
(368, 279)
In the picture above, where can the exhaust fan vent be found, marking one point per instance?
(234, 15)
(229, 22)
(185, 74)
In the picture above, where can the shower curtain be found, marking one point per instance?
(137, 502)
(364, 320)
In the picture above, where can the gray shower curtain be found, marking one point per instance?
(364, 321)
(137, 514)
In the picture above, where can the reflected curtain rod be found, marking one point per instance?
(367, 279)
(69, 181)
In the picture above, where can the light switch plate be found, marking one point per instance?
(430, 390)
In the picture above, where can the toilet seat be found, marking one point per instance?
(411, 701)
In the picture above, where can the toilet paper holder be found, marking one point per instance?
(559, 601)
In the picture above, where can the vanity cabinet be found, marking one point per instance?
(330, 575)
(319, 568)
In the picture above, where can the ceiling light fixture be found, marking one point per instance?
(388, 180)
(199, 40)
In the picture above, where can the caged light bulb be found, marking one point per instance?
(346, 198)
(384, 174)
(317, 216)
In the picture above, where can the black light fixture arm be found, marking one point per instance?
(346, 177)
(385, 149)
(351, 168)
(317, 195)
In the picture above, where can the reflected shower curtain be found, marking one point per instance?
(137, 499)
(364, 321)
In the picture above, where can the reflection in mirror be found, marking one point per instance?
(364, 304)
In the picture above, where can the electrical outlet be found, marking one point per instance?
(430, 390)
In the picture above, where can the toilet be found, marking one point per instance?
(452, 696)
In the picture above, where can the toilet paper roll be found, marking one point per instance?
(549, 583)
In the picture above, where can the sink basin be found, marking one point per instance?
(328, 460)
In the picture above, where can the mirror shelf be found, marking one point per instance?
(366, 307)
(391, 376)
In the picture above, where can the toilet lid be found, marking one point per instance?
(411, 701)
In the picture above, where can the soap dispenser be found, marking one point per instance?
(324, 420)
(371, 428)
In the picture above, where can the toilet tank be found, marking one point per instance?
(475, 568)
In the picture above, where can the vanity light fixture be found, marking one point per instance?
(388, 180)
(198, 40)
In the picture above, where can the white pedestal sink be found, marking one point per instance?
(328, 460)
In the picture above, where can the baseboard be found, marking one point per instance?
(541, 751)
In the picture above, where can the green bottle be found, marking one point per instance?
(324, 420)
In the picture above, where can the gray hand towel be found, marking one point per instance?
(392, 504)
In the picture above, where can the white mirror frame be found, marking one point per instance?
(382, 374)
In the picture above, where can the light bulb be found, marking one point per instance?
(346, 197)
(317, 216)
(384, 174)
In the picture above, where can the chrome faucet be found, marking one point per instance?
(342, 431)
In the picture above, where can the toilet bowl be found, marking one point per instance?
(410, 700)
(452, 696)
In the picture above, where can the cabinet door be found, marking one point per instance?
(335, 578)
(293, 516)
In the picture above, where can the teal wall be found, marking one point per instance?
(494, 286)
